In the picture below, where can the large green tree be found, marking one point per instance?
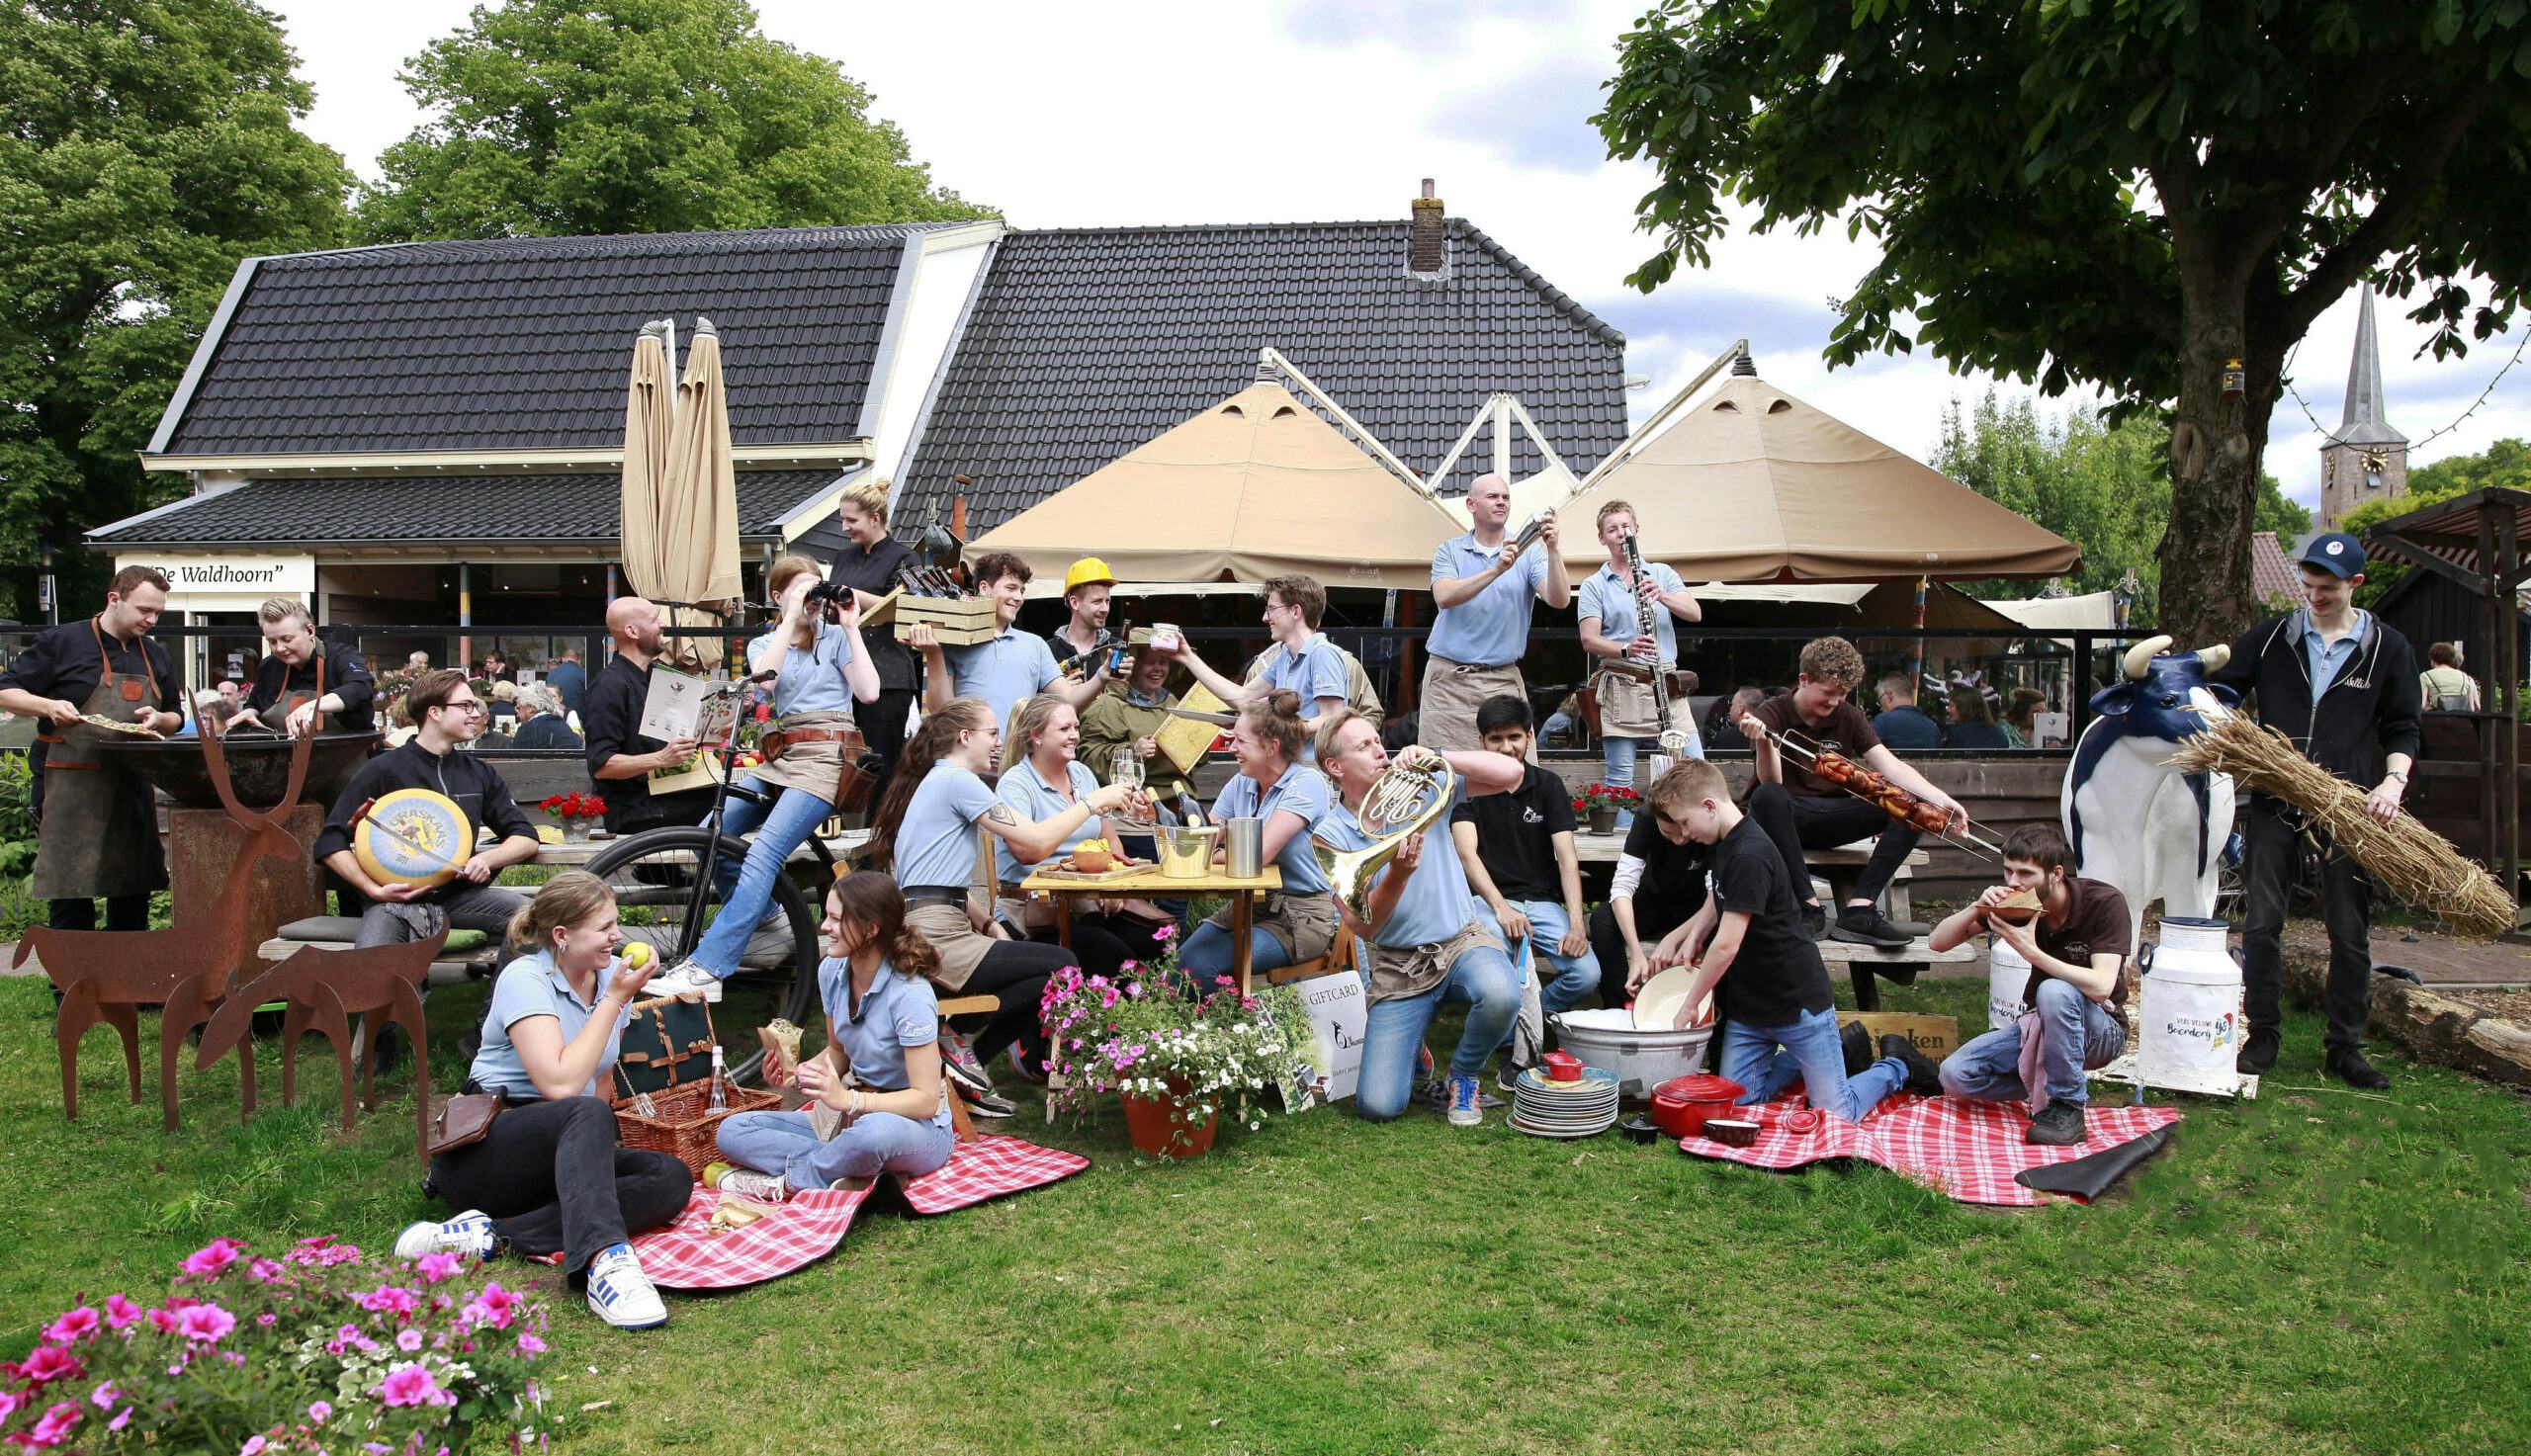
(2122, 193)
(561, 116)
(2104, 486)
(146, 146)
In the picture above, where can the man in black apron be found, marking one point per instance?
(97, 825)
(302, 678)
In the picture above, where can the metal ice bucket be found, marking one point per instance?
(1186, 853)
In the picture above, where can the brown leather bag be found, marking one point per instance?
(465, 1120)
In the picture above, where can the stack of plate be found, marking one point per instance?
(1544, 1108)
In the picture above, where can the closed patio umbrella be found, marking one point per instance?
(687, 538)
(649, 409)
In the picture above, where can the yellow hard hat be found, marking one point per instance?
(1087, 572)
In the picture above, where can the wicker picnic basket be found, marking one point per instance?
(678, 1123)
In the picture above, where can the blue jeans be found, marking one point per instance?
(1207, 952)
(787, 825)
(1483, 978)
(2079, 1036)
(781, 1142)
(1765, 1060)
(1575, 977)
(1618, 760)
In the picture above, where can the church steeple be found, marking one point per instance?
(2365, 458)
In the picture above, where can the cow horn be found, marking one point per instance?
(2141, 656)
(2213, 658)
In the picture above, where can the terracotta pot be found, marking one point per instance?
(1151, 1124)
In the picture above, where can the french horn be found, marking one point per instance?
(1402, 802)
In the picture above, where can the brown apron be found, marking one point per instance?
(813, 768)
(276, 716)
(100, 833)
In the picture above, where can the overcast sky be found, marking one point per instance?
(1332, 110)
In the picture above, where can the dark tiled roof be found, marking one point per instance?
(509, 508)
(526, 343)
(2273, 578)
(1085, 343)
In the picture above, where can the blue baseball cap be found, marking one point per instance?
(2338, 553)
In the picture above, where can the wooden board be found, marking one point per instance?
(1935, 1036)
(1183, 740)
(954, 621)
(1153, 882)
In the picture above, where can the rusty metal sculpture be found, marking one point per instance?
(323, 989)
(108, 975)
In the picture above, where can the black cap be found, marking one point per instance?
(2338, 553)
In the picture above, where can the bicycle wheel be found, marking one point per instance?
(662, 897)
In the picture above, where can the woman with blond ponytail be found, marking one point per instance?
(548, 1176)
(869, 563)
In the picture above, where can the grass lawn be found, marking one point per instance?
(2312, 1272)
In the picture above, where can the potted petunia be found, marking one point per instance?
(578, 814)
(1178, 1054)
(320, 1349)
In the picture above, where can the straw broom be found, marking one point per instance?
(2404, 857)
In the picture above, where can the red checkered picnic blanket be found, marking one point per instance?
(1967, 1149)
(686, 1255)
(988, 1167)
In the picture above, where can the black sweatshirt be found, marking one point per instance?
(2371, 708)
(476, 786)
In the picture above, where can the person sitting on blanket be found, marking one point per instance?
(548, 1176)
(1422, 940)
(883, 1027)
(1518, 851)
(2077, 948)
(1749, 941)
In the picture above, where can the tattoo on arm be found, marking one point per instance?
(1000, 814)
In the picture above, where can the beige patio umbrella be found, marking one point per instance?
(1752, 484)
(1255, 486)
(681, 516)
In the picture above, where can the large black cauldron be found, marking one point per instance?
(258, 766)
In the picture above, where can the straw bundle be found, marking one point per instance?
(2404, 857)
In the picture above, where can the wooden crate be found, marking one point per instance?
(955, 623)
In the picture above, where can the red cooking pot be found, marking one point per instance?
(1681, 1105)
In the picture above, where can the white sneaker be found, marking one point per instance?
(747, 1182)
(621, 1294)
(685, 981)
(470, 1233)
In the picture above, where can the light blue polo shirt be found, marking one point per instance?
(901, 1011)
(1605, 595)
(1317, 671)
(2326, 659)
(1436, 903)
(1301, 790)
(1012, 666)
(533, 986)
(1033, 799)
(812, 680)
(936, 844)
(1492, 627)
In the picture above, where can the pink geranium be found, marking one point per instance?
(206, 1324)
(264, 1272)
(529, 1344)
(51, 1430)
(120, 1312)
(495, 1307)
(322, 1412)
(389, 1298)
(408, 1341)
(437, 1267)
(407, 1385)
(77, 1325)
(207, 1261)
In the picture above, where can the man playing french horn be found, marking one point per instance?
(1627, 609)
(1398, 883)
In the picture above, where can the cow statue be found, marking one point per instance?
(2132, 819)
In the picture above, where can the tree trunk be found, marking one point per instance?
(2216, 446)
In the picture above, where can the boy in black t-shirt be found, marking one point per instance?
(1518, 850)
(1753, 952)
(1658, 886)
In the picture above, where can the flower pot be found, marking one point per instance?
(1604, 818)
(1151, 1124)
(576, 830)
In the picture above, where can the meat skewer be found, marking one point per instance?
(1877, 789)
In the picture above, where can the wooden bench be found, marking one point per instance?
(1339, 957)
(1840, 866)
(1867, 966)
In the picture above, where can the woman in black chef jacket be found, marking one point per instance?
(869, 564)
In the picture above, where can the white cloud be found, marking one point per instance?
(1325, 110)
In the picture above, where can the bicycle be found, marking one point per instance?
(670, 882)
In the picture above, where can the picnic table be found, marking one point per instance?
(1242, 894)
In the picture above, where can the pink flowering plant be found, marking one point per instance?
(1152, 1031)
(321, 1348)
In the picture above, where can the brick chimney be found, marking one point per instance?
(1428, 238)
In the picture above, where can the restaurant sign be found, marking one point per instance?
(223, 581)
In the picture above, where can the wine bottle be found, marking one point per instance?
(719, 1099)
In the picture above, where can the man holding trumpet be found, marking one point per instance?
(1485, 584)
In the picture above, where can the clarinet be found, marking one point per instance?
(1646, 625)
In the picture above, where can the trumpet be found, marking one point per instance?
(1402, 804)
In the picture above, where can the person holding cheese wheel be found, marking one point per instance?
(97, 825)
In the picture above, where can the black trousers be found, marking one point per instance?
(1015, 973)
(1103, 944)
(122, 913)
(1653, 918)
(555, 1180)
(1797, 822)
(2346, 905)
(881, 721)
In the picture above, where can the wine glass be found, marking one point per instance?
(1125, 767)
